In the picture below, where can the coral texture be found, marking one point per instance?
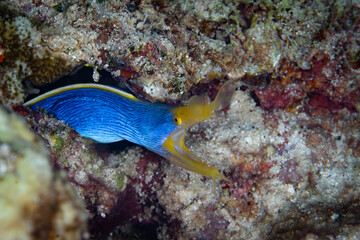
(289, 143)
(36, 202)
(25, 57)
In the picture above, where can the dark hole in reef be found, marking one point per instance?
(146, 231)
(120, 222)
(115, 147)
(255, 98)
(133, 5)
(82, 74)
(136, 231)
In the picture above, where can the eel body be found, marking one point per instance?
(107, 114)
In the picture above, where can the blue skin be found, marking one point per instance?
(108, 117)
(107, 114)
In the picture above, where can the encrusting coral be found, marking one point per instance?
(36, 202)
(24, 56)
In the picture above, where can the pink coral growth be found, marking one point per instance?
(325, 86)
(289, 173)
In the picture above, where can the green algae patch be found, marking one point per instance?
(121, 181)
(57, 143)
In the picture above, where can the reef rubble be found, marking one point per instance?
(289, 143)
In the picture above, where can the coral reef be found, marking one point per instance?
(284, 176)
(289, 143)
(144, 39)
(24, 56)
(36, 202)
(115, 184)
(162, 48)
(281, 170)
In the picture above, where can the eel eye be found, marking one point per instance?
(177, 120)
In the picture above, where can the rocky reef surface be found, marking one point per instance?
(36, 201)
(289, 143)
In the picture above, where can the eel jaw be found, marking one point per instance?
(199, 109)
(181, 156)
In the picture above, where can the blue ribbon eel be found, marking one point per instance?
(107, 114)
